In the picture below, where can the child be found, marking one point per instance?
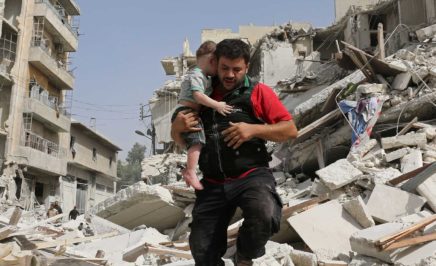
(195, 88)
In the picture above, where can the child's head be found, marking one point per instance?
(206, 59)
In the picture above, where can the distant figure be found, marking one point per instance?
(73, 213)
(57, 207)
(80, 227)
(52, 211)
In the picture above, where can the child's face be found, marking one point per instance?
(213, 65)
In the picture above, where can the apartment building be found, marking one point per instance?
(92, 169)
(36, 81)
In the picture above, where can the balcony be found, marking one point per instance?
(71, 7)
(46, 110)
(57, 23)
(42, 154)
(55, 70)
(7, 59)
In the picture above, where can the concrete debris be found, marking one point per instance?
(413, 139)
(388, 203)
(357, 209)
(338, 174)
(427, 189)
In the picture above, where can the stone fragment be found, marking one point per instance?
(388, 203)
(357, 209)
(411, 161)
(338, 174)
(381, 176)
(371, 88)
(302, 258)
(361, 260)
(426, 33)
(427, 189)
(401, 81)
(395, 155)
(412, 139)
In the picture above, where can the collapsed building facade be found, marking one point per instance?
(44, 156)
(358, 182)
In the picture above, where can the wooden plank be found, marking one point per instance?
(387, 240)
(407, 176)
(411, 241)
(307, 131)
(407, 127)
(65, 242)
(132, 254)
(287, 212)
(330, 103)
(420, 125)
(381, 42)
(6, 231)
(16, 215)
(358, 64)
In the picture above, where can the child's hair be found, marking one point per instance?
(208, 47)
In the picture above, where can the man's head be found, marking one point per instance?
(206, 58)
(233, 57)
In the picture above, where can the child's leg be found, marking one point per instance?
(191, 165)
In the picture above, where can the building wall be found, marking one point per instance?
(342, 6)
(218, 35)
(5, 98)
(84, 145)
(253, 33)
(12, 10)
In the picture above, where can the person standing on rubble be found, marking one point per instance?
(57, 207)
(52, 211)
(234, 161)
(73, 213)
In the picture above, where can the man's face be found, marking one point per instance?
(231, 72)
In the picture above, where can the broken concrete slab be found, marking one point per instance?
(411, 139)
(141, 204)
(414, 182)
(395, 155)
(361, 260)
(388, 203)
(338, 174)
(411, 161)
(426, 33)
(427, 189)
(357, 209)
(383, 175)
(371, 88)
(401, 81)
(326, 229)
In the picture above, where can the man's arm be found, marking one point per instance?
(185, 121)
(239, 133)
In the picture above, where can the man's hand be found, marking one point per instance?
(238, 133)
(223, 108)
(185, 121)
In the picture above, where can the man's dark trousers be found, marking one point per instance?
(215, 206)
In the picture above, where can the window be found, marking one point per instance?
(72, 142)
(100, 187)
(94, 154)
(110, 161)
(110, 189)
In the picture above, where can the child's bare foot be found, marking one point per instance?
(191, 179)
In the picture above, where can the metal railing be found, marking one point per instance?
(61, 14)
(52, 102)
(36, 142)
(8, 49)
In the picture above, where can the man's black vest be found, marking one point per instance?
(217, 161)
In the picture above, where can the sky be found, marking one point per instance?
(121, 43)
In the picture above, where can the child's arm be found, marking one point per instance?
(220, 107)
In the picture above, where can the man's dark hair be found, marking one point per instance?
(233, 49)
(208, 47)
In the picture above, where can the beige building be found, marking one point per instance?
(36, 81)
(92, 169)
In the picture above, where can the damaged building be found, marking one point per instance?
(44, 155)
(358, 183)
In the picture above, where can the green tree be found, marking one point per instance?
(130, 171)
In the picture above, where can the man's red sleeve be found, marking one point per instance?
(267, 105)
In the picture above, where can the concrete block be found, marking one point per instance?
(381, 176)
(326, 229)
(301, 258)
(413, 139)
(357, 209)
(411, 161)
(402, 81)
(361, 260)
(413, 183)
(430, 132)
(427, 189)
(426, 33)
(395, 155)
(388, 203)
(141, 204)
(338, 174)
(371, 88)
(398, 65)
